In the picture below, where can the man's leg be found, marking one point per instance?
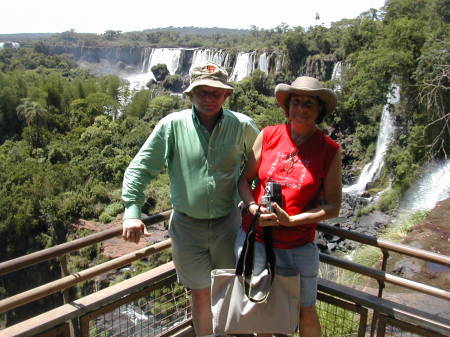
(190, 255)
(201, 311)
(309, 325)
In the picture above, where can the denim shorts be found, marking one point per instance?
(199, 246)
(303, 260)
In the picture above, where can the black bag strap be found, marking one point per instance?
(245, 263)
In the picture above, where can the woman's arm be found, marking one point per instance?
(250, 172)
(333, 196)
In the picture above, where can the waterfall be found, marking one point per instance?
(147, 52)
(336, 75)
(218, 57)
(245, 65)
(432, 186)
(372, 170)
(168, 56)
(278, 62)
(263, 63)
(9, 44)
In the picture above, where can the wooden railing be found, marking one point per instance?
(385, 312)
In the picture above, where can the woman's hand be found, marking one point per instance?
(267, 218)
(283, 218)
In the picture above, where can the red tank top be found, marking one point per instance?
(301, 171)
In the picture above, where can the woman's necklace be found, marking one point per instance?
(292, 159)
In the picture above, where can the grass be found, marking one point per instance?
(398, 231)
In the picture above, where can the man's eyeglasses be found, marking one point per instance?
(204, 93)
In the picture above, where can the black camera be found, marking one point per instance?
(272, 194)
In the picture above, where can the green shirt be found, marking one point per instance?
(203, 168)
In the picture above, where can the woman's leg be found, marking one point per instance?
(309, 325)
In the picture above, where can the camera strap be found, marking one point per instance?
(245, 263)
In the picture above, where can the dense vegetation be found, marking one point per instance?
(66, 136)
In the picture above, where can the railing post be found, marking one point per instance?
(381, 286)
(73, 324)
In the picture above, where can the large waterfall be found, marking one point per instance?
(245, 65)
(219, 57)
(176, 60)
(372, 170)
(168, 56)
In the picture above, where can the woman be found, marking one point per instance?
(307, 165)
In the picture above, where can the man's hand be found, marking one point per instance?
(132, 230)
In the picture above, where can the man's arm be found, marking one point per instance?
(147, 164)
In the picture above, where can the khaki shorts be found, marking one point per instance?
(199, 246)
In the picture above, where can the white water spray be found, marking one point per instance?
(432, 186)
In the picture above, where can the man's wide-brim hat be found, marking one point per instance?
(209, 74)
(305, 85)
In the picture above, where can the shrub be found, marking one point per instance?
(110, 212)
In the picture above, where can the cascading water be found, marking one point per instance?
(215, 56)
(263, 63)
(14, 45)
(245, 65)
(372, 170)
(336, 75)
(146, 57)
(278, 62)
(432, 186)
(168, 56)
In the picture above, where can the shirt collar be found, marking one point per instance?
(195, 115)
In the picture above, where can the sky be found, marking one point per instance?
(97, 16)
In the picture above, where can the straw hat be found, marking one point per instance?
(209, 74)
(309, 86)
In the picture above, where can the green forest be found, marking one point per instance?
(66, 136)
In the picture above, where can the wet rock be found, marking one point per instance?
(407, 268)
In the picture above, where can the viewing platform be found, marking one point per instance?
(154, 304)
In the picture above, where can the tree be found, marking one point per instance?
(433, 78)
(111, 34)
(35, 117)
(160, 106)
(160, 71)
(296, 48)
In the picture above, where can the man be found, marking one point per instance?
(205, 149)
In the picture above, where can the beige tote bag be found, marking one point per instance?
(243, 303)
